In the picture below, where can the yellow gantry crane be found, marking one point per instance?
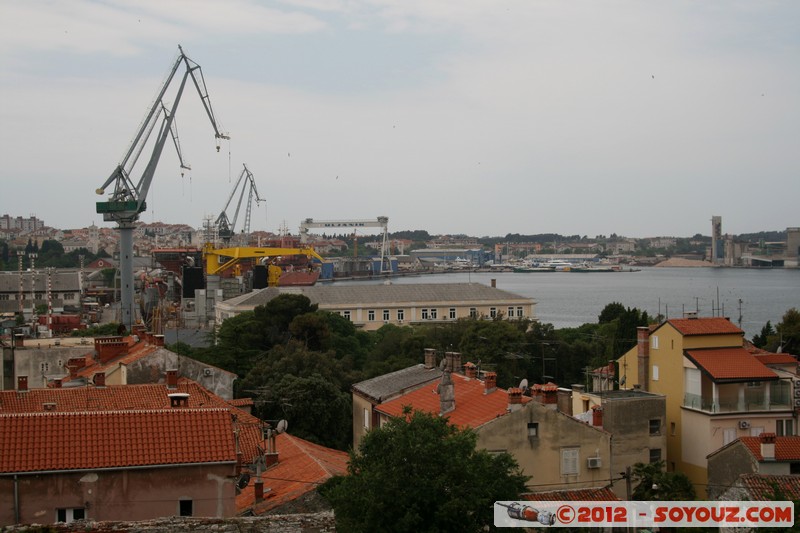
(219, 260)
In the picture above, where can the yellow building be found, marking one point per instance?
(716, 390)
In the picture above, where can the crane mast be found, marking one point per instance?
(127, 200)
(225, 227)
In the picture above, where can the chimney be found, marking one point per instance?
(19, 340)
(564, 401)
(489, 382)
(494, 283)
(271, 458)
(57, 383)
(178, 399)
(258, 487)
(514, 399)
(430, 358)
(470, 370)
(767, 446)
(99, 380)
(172, 379)
(158, 340)
(22, 383)
(108, 348)
(74, 364)
(453, 361)
(447, 394)
(643, 354)
(597, 416)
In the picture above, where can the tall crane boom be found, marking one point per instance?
(127, 200)
(227, 227)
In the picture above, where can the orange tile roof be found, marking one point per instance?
(786, 448)
(730, 364)
(704, 326)
(600, 494)
(473, 407)
(301, 468)
(761, 487)
(114, 439)
(776, 358)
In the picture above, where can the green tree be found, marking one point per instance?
(419, 473)
(762, 339)
(656, 484)
(788, 332)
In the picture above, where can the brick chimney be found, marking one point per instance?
(447, 394)
(57, 383)
(489, 382)
(158, 340)
(99, 380)
(470, 370)
(767, 446)
(643, 355)
(75, 364)
(271, 458)
(514, 399)
(172, 379)
(430, 358)
(258, 488)
(597, 416)
(22, 383)
(19, 340)
(108, 348)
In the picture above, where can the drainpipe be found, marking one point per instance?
(16, 499)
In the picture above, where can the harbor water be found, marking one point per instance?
(749, 297)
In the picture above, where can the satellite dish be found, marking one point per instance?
(281, 427)
(622, 381)
(523, 384)
(244, 479)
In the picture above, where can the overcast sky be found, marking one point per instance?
(455, 116)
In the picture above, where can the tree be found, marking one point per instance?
(419, 473)
(655, 484)
(763, 338)
(788, 331)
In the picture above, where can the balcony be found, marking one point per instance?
(742, 398)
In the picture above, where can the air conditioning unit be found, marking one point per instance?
(744, 424)
(594, 462)
(207, 372)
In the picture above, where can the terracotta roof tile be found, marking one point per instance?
(114, 439)
(600, 494)
(730, 364)
(761, 487)
(786, 448)
(704, 326)
(776, 358)
(301, 468)
(473, 407)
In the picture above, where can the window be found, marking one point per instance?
(794, 468)
(346, 314)
(654, 342)
(569, 461)
(520, 314)
(493, 312)
(371, 315)
(386, 315)
(473, 312)
(69, 296)
(401, 314)
(45, 367)
(655, 426)
(533, 429)
(655, 455)
(452, 313)
(655, 372)
(510, 312)
(425, 314)
(755, 431)
(728, 435)
(366, 418)
(784, 428)
(3, 296)
(433, 314)
(69, 515)
(185, 508)
(672, 428)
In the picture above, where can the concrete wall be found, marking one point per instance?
(138, 494)
(40, 361)
(725, 467)
(540, 457)
(359, 404)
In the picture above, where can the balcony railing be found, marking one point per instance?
(753, 401)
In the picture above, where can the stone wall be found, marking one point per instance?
(296, 523)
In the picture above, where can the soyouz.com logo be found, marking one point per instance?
(643, 514)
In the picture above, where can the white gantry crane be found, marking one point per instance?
(380, 222)
(226, 228)
(127, 199)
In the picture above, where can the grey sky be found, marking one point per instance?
(477, 117)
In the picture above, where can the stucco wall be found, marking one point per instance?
(139, 494)
(725, 467)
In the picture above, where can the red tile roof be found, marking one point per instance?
(600, 494)
(704, 326)
(114, 439)
(761, 487)
(776, 358)
(786, 448)
(473, 407)
(301, 468)
(730, 364)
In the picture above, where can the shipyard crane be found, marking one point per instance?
(127, 200)
(379, 222)
(225, 227)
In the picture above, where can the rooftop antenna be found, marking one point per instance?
(740, 313)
